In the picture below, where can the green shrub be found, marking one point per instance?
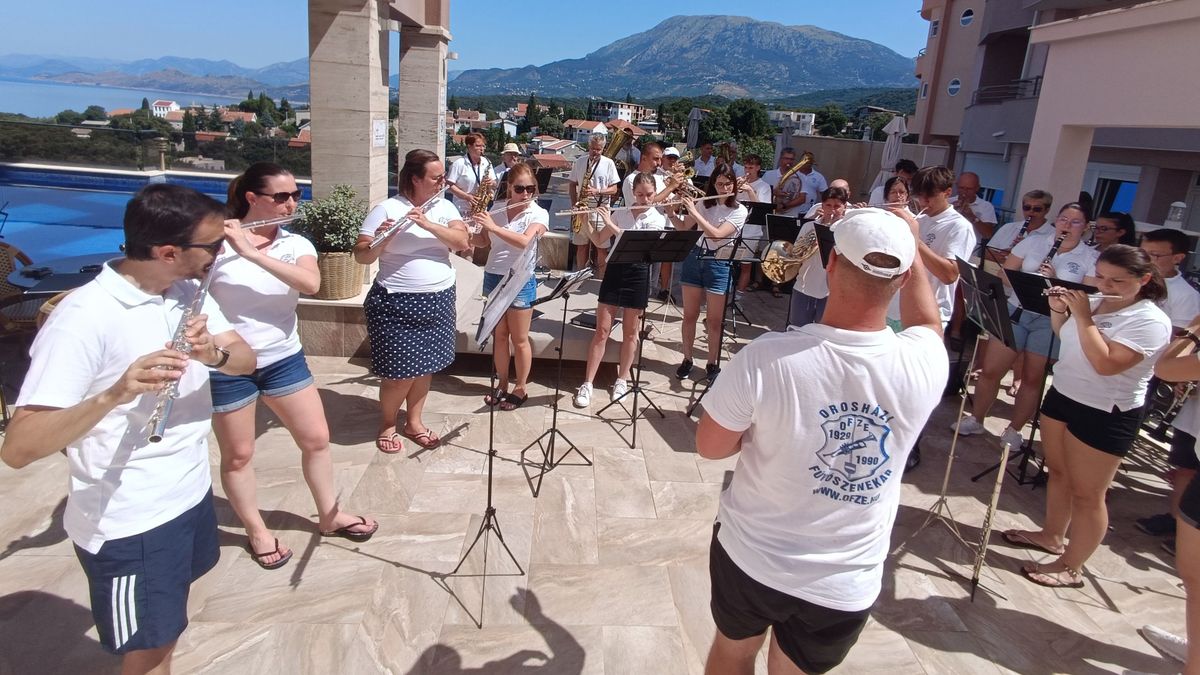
(332, 223)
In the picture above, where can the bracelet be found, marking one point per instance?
(1193, 337)
(1058, 311)
(221, 361)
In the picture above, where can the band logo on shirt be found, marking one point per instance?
(853, 462)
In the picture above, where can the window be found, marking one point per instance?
(933, 28)
(954, 86)
(925, 90)
(967, 17)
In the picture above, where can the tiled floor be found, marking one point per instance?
(613, 555)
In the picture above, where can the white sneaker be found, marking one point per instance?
(1168, 643)
(620, 388)
(1011, 438)
(583, 397)
(968, 426)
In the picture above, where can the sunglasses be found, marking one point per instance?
(524, 189)
(1031, 207)
(282, 197)
(213, 248)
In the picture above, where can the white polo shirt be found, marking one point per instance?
(121, 484)
(263, 307)
(705, 168)
(1142, 327)
(811, 280)
(1071, 265)
(950, 236)
(1182, 303)
(413, 260)
(503, 254)
(468, 176)
(762, 191)
(604, 175)
(829, 417)
(650, 219)
(984, 211)
(813, 184)
(1005, 236)
(660, 182)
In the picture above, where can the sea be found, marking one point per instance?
(44, 99)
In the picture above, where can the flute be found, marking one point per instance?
(396, 226)
(1058, 291)
(281, 220)
(157, 424)
(675, 202)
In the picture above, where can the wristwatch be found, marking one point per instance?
(1195, 339)
(221, 361)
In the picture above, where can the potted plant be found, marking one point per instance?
(331, 224)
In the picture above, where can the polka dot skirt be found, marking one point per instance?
(411, 334)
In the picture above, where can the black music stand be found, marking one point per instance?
(757, 212)
(567, 284)
(647, 246)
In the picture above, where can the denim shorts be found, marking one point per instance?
(709, 274)
(1033, 333)
(524, 299)
(234, 392)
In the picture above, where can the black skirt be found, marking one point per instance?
(411, 334)
(626, 285)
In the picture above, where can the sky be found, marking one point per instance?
(486, 34)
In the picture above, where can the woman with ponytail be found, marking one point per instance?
(259, 276)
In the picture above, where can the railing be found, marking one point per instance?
(998, 93)
(922, 52)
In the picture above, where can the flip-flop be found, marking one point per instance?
(394, 438)
(1052, 579)
(495, 397)
(1018, 539)
(353, 535)
(431, 439)
(512, 401)
(257, 557)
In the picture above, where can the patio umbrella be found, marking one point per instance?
(895, 130)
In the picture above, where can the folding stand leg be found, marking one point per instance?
(636, 388)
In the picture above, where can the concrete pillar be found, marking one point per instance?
(1058, 156)
(1012, 181)
(1147, 184)
(348, 76)
(421, 119)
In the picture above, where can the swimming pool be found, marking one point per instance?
(55, 214)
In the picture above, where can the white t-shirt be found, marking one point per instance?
(738, 170)
(1142, 327)
(413, 260)
(829, 417)
(120, 483)
(703, 168)
(811, 280)
(984, 211)
(1182, 303)
(604, 175)
(949, 235)
(789, 191)
(716, 213)
(762, 191)
(467, 177)
(261, 307)
(1005, 236)
(503, 254)
(660, 182)
(1071, 265)
(813, 184)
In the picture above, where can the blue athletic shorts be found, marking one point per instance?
(139, 584)
(524, 299)
(234, 392)
(709, 274)
(1033, 333)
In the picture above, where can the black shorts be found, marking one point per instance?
(1183, 451)
(1189, 503)
(626, 285)
(1111, 432)
(815, 638)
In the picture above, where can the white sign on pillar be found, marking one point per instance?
(379, 133)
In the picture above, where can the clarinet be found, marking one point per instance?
(1054, 249)
(157, 424)
(1022, 232)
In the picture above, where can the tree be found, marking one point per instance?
(189, 122)
(571, 112)
(748, 119)
(464, 129)
(551, 126)
(285, 109)
(495, 138)
(830, 121)
(762, 147)
(532, 114)
(95, 113)
(453, 103)
(714, 128)
(214, 120)
(68, 117)
(628, 97)
(253, 130)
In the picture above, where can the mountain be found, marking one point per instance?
(178, 81)
(694, 55)
(29, 66)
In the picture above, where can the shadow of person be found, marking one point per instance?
(566, 654)
(53, 534)
(44, 633)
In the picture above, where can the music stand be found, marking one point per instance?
(647, 246)
(785, 228)
(757, 212)
(987, 308)
(567, 284)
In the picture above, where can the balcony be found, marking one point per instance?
(1017, 89)
(919, 64)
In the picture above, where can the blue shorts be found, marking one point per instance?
(1033, 333)
(709, 274)
(139, 584)
(234, 392)
(524, 299)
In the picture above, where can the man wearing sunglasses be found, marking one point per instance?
(139, 514)
(1035, 204)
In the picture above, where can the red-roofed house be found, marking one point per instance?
(161, 107)
(632, 129)
(466, 116)
(231, 116)
(580, 130)
(302, 139)
(210, 136)
(522, 108)
(175, 117)
(555, 162)
(118, 112)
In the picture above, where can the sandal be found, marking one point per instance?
(354, 535)
(258, 557)
(389, 444)
(1034, 573)
(512, 401)
(426, 439)
(495, 397)
(1020, 539)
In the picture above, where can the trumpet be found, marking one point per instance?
(157, 424)
(381, 237)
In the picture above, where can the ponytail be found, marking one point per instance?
(1137, 262)
(253, 179)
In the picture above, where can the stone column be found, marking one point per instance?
(1057, 160)
(347, 44)
(421, 119)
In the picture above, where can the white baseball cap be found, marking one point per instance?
(864, 231)
(671, 151)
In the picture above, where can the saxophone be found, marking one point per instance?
(481, 199)
(610, 151)
(157, 424)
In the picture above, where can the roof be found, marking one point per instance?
(546, 138)
(589, 125)
(163, 103)
(633, 129)
(174, 116)
(230, 116)
(116, 112)
(205, 136)
(552, 161)
(557, 145)
(302, 139)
